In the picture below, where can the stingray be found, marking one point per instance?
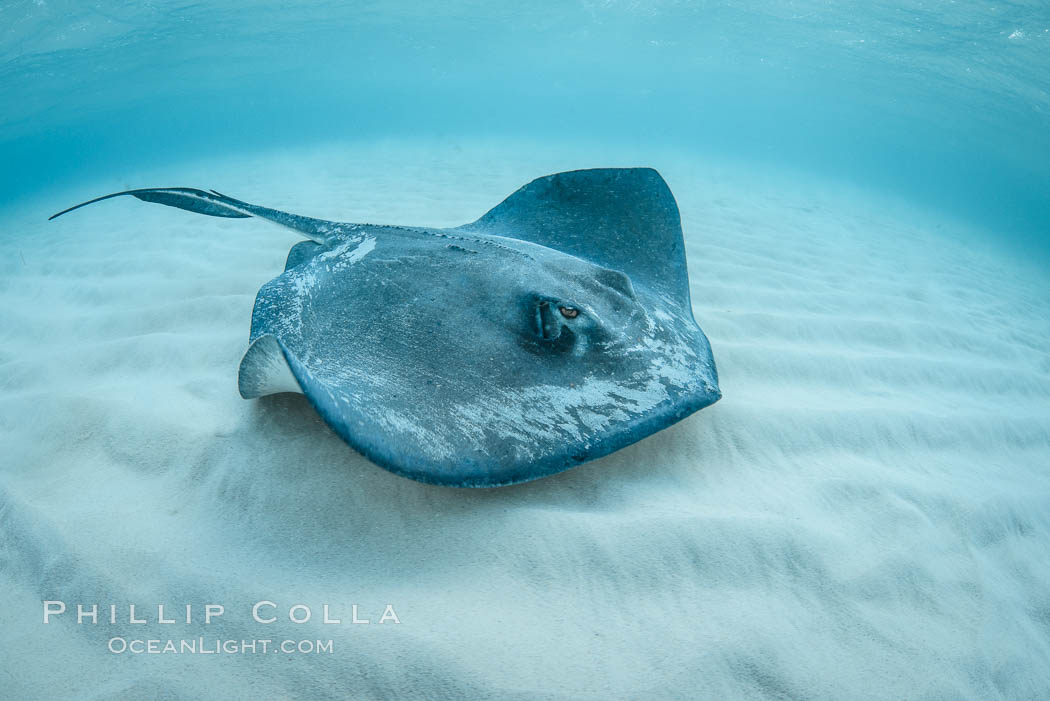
(555, 329)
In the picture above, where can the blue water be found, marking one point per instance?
(947, 103)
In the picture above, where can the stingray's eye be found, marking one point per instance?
(569, 312)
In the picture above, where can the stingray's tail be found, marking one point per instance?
(211, 203)
(216, 204)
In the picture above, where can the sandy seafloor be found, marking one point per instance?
(865, 514)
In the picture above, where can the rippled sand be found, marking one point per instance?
(866, 513)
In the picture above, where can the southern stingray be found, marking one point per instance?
(553, 330)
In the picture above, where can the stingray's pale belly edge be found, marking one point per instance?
(554, 330)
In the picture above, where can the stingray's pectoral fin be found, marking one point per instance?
(623, 219)
(264, 370)
(190, 199)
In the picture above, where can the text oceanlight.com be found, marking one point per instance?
(202, 646)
